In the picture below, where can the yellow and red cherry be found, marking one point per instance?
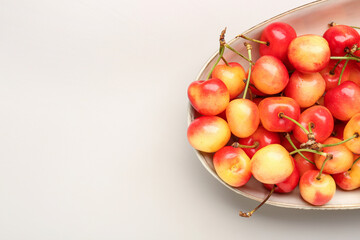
(243, 117)
(309, 53)
(269, 75)
(288, 185)
(305, 88)
(332, 72)
(208, 133)
(342, 157)
(209, 97)
(273, 111)
(278, 36)
(303, 164)
(341, 38)
(317, 190)
(272, 164)
(350, 179)
(232, 165)
(259, 139)
(319, 119)
(351, 129)
(354, 72)
(232, 75)
(343, 101)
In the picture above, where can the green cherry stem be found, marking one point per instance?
(249, 214)
(311, 125)
(287, 136)
(248, 47)
(222, 48)
(234, 50)
(328, 157)
(343, 70)
(345, 58)
(356, 135)
(253, 40)
(308, 150)
(238, 145)
(282, 115)
(334, 24)
(222, 58)
(332, 71)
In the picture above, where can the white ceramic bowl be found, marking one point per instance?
(310, 18)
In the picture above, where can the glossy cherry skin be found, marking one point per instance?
(243, 117)
(321, 120)
(233, 76)
(332, 77)
(263, 137)
(278, 35)
(302, 164)
(305, 88)
(351, 128)
(271, 107)
(269, 75)
(350, 179)
(343, 101)
(354, 71)
(232, 165)
(209, 97)
(272, 164)
(208, 133)
(341, 37)
(314, 191)
(309, 53)
(341, 161)
(288, 185)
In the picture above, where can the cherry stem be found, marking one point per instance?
(282, 115)
(221, 51)
(253, 40)
(238, 145)
(232, 49)
(287, 136)
(308, 150)
(249, 214)
(334, 24)
(332, 71)
(311, 125)
(248, 47)
(345, 58)
(328, 157)
(356, 135)
(222, 58)
(354, 163)
(343, 70)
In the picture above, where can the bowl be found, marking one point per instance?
(310, 18)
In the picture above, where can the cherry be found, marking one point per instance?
(343, 101)
(209, 97)
(332, 71)
(288, 185)
(351, 129)
(270, 110)
(350, 179)
(232, 75)
(208, 133)
(269, 75)
(303, 164)
(232, 165)
(309, 53)
(341, 38)
(305, 88)
(319, 119)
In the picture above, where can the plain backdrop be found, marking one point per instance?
(93, 111)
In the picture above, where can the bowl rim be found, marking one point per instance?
(202, 159)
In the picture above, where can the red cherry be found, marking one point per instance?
(341, 37)
(343, 101)
(278, 35)
(288, 185)
(331, 75)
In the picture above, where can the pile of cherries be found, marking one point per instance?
(293, 119)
